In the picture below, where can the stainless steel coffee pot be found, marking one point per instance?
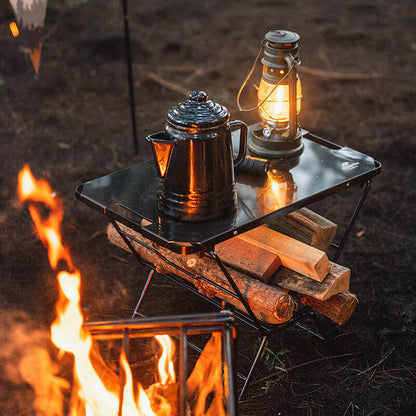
(194, 160)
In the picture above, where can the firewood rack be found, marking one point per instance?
(181, 327)
(129, 197)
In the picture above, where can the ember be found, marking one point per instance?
(14, 29)
(93, 394)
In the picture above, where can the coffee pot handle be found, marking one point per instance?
(243, 140)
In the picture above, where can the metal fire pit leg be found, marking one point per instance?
(228, 353)
(357, 209)
(237, 292)
(253, 365)
(125, 349)
(183, 358)
(143, 293)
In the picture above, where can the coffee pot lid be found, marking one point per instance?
(198, 112)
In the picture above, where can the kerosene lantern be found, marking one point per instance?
(278, 134)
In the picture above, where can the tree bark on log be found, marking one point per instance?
(338, 308)
(269, 304)
(306, 226)
(337, 280)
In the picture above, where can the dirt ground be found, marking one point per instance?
(71, 123)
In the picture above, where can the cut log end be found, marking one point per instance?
(338, 308)
(284, 308)
(322, 268)
(338, 280)
(248, 258)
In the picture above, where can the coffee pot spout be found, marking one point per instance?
(162, 147)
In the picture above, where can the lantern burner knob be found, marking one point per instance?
(198, 96)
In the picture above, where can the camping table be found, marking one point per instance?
(129, 196)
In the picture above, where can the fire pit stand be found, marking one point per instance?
(179, 327)
(129, 197)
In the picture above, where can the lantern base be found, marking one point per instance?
(274, 146)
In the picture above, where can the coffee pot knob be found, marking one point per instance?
(198, 96)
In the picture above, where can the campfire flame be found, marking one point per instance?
(94, 396)
(166, 370)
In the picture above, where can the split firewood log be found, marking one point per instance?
(248, 258)
(306, 226)
(337, 280)
(293, 254)
(258, 262)
(338, 308)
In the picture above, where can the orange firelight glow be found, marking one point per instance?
(92, 396)
(14, 29)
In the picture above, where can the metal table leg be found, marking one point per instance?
(354, 216)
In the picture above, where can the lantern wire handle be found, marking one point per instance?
(291, 62)
(247, 78)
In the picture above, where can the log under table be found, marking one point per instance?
(129, 197)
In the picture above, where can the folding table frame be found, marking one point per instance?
(130, 197)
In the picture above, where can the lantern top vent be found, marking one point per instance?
(282, 38)
(276, 45)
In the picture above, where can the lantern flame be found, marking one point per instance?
(275, 107)
(94, 397)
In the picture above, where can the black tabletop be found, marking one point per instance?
(323, 168)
